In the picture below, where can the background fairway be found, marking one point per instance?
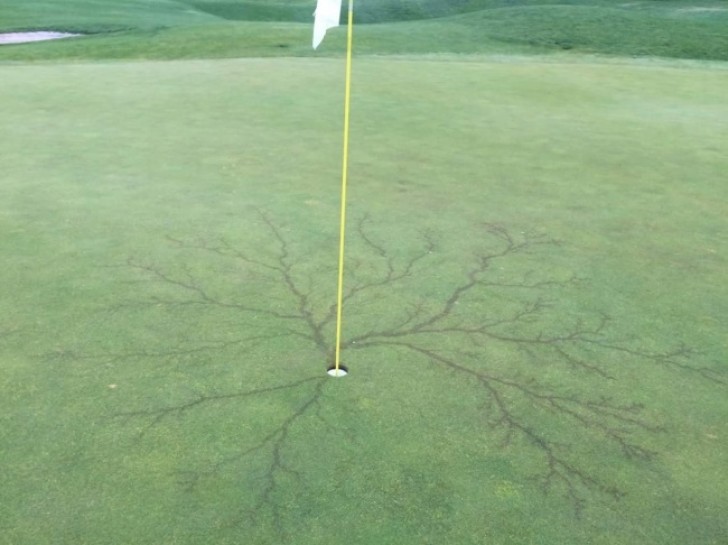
(168, 29)
(166, 228)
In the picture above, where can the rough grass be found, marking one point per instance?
(169, 239)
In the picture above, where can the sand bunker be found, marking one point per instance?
(25, 37)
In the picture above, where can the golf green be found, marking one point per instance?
(533, 316)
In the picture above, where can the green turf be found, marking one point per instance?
(167, 29)
(535, 270)
(534, 284)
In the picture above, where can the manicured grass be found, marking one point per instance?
(169, 237)
(213, 29)
(534, 285)
(98, 15)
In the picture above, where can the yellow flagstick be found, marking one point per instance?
(344, 172)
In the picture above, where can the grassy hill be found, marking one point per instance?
(168, 29)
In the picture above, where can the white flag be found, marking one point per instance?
(326, 16)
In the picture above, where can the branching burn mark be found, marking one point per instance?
(485, 310)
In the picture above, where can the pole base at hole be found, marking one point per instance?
(340, 372)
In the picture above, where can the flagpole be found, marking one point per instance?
(344, 173)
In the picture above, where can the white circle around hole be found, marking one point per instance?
(340, 372)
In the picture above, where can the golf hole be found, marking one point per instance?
(338, 373)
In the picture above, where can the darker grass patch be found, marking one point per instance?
(253, 11)
(613, 30)
(210, 29)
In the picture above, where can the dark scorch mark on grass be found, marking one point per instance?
(514, 398)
